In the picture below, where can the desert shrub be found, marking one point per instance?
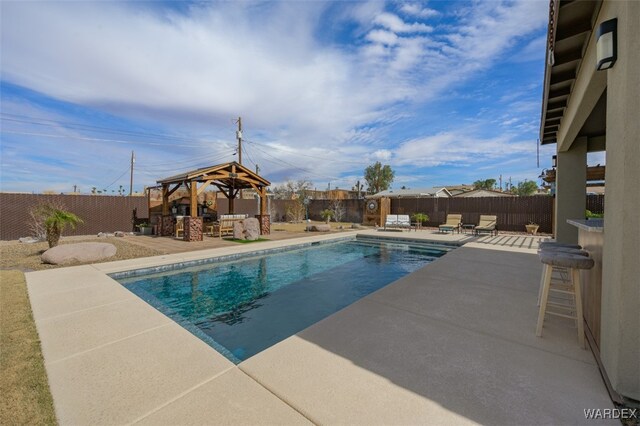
(52, 219)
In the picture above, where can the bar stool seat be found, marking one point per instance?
(561, 274)
(572, 310)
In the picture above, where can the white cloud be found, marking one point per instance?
(383, 37)
(415, 9)
(397, 25)
(459, 148)
(382, 155)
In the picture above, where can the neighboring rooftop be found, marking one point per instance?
(419, 192)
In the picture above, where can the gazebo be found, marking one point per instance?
(229, 178)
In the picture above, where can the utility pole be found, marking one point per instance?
(133, 160)
(500, 183)
(239, 137)
(257, 169)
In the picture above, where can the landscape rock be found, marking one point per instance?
(319, 228)
(79, 252)
(28, 240)
(119, 234)
(251, 229)
(246, 229)
(238, 230)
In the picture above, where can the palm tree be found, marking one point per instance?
(55, 222)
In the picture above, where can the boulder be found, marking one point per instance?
(79, 252)
(119, 234)
(319, 228)
(238, 230)
(28, 240)
(251, 229)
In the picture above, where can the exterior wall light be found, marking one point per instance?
(554, 161)
(606, 44)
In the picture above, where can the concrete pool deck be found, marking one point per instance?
(452, 343)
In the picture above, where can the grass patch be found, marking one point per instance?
(24, 387)
(234, 240)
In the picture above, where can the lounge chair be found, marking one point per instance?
(453, 222)
(487, 223)
(391, 221)
(404, 221)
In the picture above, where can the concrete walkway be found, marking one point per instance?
(452, 343)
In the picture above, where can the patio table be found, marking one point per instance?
(468, 227)
(448, 229)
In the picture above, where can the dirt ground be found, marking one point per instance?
(25, 257)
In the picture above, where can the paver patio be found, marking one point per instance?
(452, 343)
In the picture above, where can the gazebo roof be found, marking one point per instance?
(230, 175)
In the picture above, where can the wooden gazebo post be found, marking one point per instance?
(166, 220)
(263, 217)
(193, 222)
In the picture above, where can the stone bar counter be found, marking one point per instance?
(591, 238)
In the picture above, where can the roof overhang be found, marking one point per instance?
(229, 175)
(570, 25)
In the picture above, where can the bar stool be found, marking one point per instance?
(574, 263)
(562, 276)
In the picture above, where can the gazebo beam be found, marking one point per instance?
(175, 188)
(204, 186)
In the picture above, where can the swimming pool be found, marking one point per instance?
(243, 306)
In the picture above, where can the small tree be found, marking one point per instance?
(55, 220)
(296, 211)
(420, 218)
(525, 188)
(337, 207)
(326, 215)
(484, 184)
(378, 177)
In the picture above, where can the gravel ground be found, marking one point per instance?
(26, 257)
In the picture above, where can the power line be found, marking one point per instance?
(244, 148)
(293, 165)
(210, 158)
(53, 123)
(118, 178)
(304, 155)
(95, 139)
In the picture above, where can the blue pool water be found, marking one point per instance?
(242, 307)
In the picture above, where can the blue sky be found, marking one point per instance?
(446, 92)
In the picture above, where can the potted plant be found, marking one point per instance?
(532, 228)
(145, 228)
(420, 219)
(326, 215)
